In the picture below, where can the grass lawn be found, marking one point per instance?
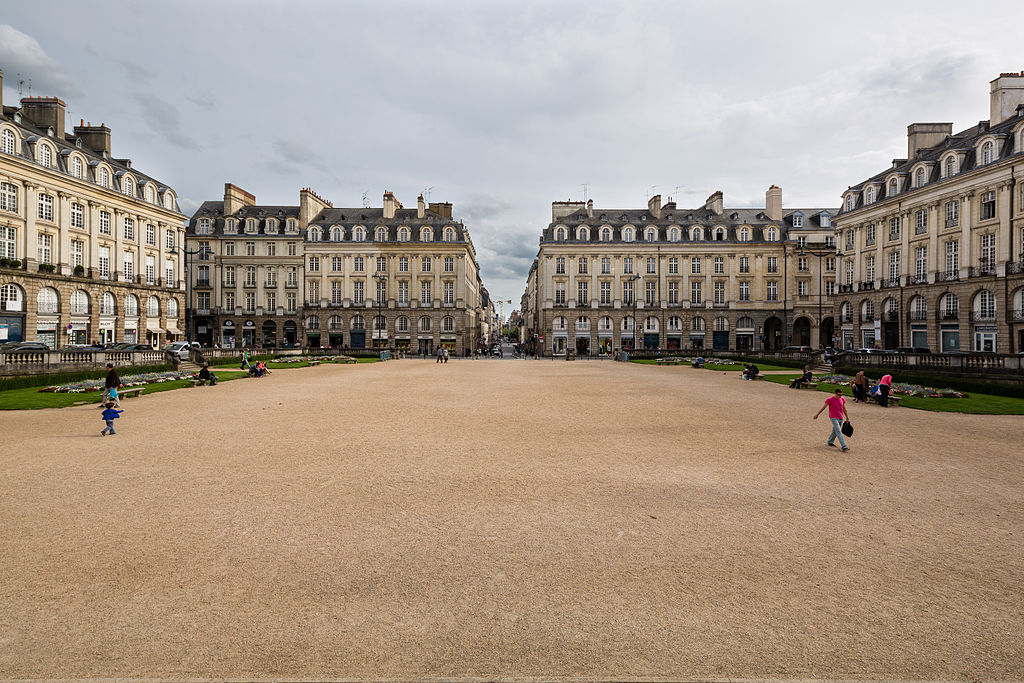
(32, 399)
(721, 367)
(975, 404)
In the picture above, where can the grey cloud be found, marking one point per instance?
(21, 53)
(164, 119)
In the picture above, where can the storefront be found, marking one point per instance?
(228, 334)
(402, 343)
(583, 344)
(450, 342)
(78, 331)
(949, 338)
(248, 333)
(985, 338)
(696, 340)
(651, 340)
(559, 343)
(919, 336)
(848, 340)
(357, 339)
(605, 344)
(720, 340)
(154, 333)
(46, 331)
(131, 331)
(173, 333)
(426, 346)
(269, 334)
(108, 329)
(204, 331)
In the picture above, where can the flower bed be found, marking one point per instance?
(900, 389)
(306, 359)
(129, 381)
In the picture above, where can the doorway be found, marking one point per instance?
(582, 346)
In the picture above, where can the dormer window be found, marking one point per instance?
(950, 167)
(250, 225)
(231, 226)
(744, 234)
(798, 221)
(382, 235)
(869, 194)
(427, 235)
(314, 234)
(652, 235)
(894, 187)
(919, 178)
(560, 234)
(271, 226)
(8, 142)
(826, 219)
(293, 226)
(673, 235)
(336, 234)
(606, 234)
(76, 167)
(849, 202)
(627, 234)
(988, 153)
(129, 186)
(720, 234)
(359, 234)
(403, 235)
(696, 234)
(45, 156)
(773, 234)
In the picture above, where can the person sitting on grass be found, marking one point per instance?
(802, 379)
(699, 363)
(205, 376)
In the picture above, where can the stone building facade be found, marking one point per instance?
(710, 277)
(934, 244)
(319, 276)
(89, 245)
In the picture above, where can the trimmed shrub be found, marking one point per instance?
(967, 384)
(66, 377)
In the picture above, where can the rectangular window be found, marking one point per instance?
(292, 277)
(336, 264)
(229, 276)
(229, 301)
(559, 293)
(291, 302)
(988, 252)
(921, 262)
(250, 248)
(869, 268)
(271, 302)
(772, 293)
(45, 251)
(403, 264)
(606, 266)
(77, 216)
(719, 292)
(719, 265)
(425, 294)
(449, 264)
(150, 234)
(830, 265)
(773, 264)
(382, 291)
(582, 294)
(830, 287)
(403, 291)
(8, 240)
(849, 273)
(953, 213)
(627, 292)
(559, 265)
(830, 242)
(583, 264)
(696, 292)
(673, 293)
(203, 300)
(291, 248)
(894, 266)
(336, 292)
(271, 276)
(150, 270)
(359, 292)
(105, 263)
(77, 253)
(425, 264)
(651, 266)
(606, 293)
(358, 264)
(894, 228)
(650, 293)
(104, 223)
(314, 264)
(744, 264)
(801, 264)
(744, 291)
(627, 265)
(449, 292)
(695, 265)
(8, 197)
(169, 273)
(250, 302)
(313, 293)
(45, 207)
(169, 241)
(229, 248)
(382, 264)
(129, 228)
(988, 205)
(802, 241)
(869, 236)
(250, 276)
(921, 222)
(801, 287)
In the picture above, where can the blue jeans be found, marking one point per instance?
(110, 426)
(837, 430)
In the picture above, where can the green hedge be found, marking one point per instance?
(65, 377)
(967, 384)
(781, 362)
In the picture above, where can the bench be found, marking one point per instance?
(128, 393)
(313, 362)
(894, 401)
(807, 385)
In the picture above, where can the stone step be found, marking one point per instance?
(188, 366)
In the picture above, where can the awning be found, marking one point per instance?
(173, 330)
(154, 326)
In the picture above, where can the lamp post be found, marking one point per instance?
(379, 324)
(804, 251)
(205, 251)
(635, 279)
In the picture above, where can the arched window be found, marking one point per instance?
(950, 166)
(379, 323)
(426, 235)
(675, 324)
(449, 234)
(583, 234)
(696, 234)
(892, 309)
(131, 305)
(652, 235)
(313, 322)
(745, 323)
(919, 177)
(720, 234)
(606, 234)
(103, 178)
(846, 312)
(11, 297)
(149, 193)
(558, 323)
(382, 234)
(697, 324)
(849, 202)
(673, 235)
(651, 324)
(605, 324)
(128, 186)
(152, 307)
(893, 187)
(867, 310)
(424, 324)
(336, 234)
(45, 155)
(47, 300)
(359, 234)
(744, 234)
(773, 234)
(313, 234)
(358, 323)
(336, 323)
(987, 153)
(627, 323)
(919, 308)
(402, 324)
(76, 167)
(721, 324)
(403, 235)
(582, 324)
(168, 200)
(172, 308)
(250, 226)
(950, 305)
(271, 226)
(627, 234)
(560, 235)
(985, 305)
(447, 324)
(8, 142)
(107, 304)
(79, 302)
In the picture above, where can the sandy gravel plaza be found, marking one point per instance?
(501, 519)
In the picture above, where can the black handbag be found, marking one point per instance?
(847, 428)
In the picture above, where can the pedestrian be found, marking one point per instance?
(836, 405)
(108, 416)
(112, 382)
(860, 388)
(884, 387)
(446, 355)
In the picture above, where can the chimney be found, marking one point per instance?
(562, 209)
(590, 208)
(45, 112)
(714, 203)
(925, 135)
(391, 205)
(443, 209)
(235, 198)
(773, 203)
(310, 204)
(1, 91)
(1007, 93)
(654, 206)
(421, 208)
(96, 138)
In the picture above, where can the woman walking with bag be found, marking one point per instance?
(836, 405)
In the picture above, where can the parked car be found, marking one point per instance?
(803, 349)
(23, 346)
(81, 347)
(180, 348)
(124, 346)
(913, 349)
(869, 351)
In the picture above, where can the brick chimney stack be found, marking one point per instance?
(235, 198)
(773, 203)
(1007, 92)
(391, 205)
(96, 138)
(654, 205)
(45, 112)
(421, 208)
(714, 203)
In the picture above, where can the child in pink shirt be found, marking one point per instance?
(836, 405)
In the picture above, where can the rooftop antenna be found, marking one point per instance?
(653, 188)
(366, 200)
(426, 192)
(585, 187)
(21, 85)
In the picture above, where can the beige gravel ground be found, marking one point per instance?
(508, 519)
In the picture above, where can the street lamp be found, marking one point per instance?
(204, 251)
(379, 325)
(634, 280)
(804, 251)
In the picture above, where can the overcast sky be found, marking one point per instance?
(504, 107)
